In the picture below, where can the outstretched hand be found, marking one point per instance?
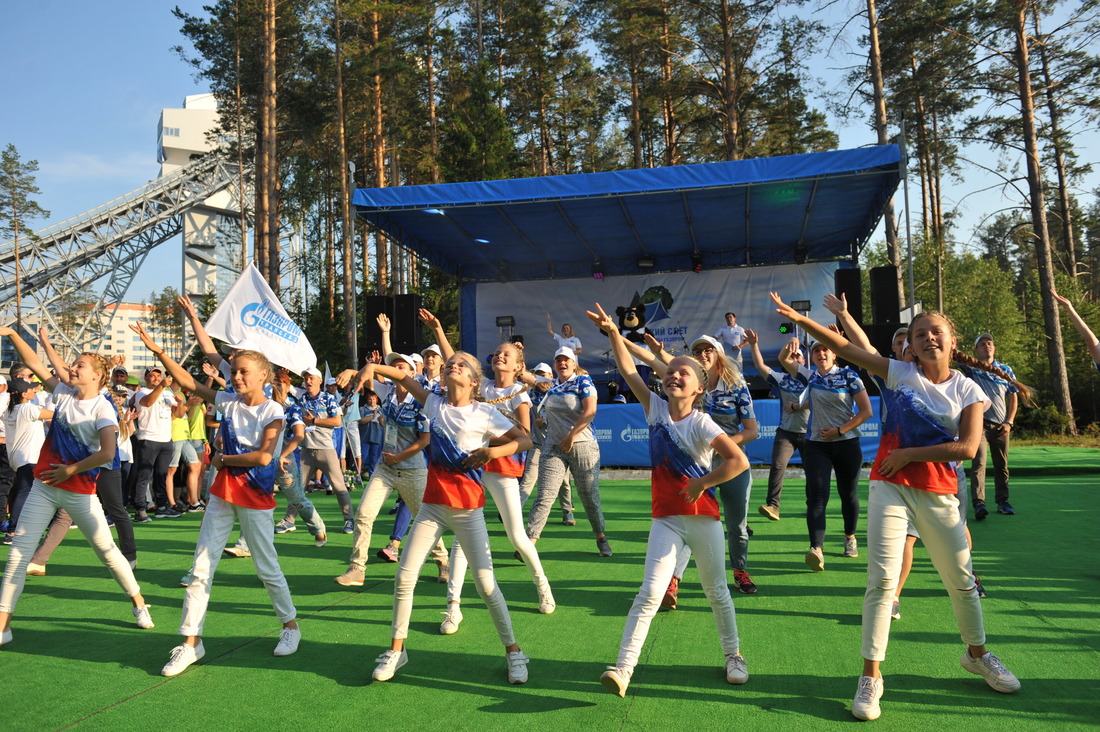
(652, 343)
(1059, 298)
(783, 308)
(188, 307)
(836, 305)
(602, 320)
(383, 321)
(750, 337)
(428, 319)
(146, 339)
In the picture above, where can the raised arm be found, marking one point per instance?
(56, 362)
(757, 357)
(838, 306)
(29, 357)
(398, 376)
(874, 363)
(623, 360)
(550, 325)
(440, 335)
(205, 342)
(383, 321)
(178, 373)
(1087, 335)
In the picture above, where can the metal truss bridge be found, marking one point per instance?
(61, 263)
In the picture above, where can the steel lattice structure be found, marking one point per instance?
(111, 241)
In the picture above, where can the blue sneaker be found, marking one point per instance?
(1004, 507)
(4, 525)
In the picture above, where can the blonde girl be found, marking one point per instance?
(682, 442)
(251, 436)
(461, 431)
(82, 438)
(934, 420)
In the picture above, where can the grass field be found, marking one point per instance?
(78, 661)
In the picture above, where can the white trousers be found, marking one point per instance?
(86, 511)
(468, 526)
(259, 531)
(667, 536)
(506, 496)
(890, 509)
(409, 484)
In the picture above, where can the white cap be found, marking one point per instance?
(432, 349)
(981, 338)
(3, 380)
(330, 381)
(565, 351)
(710, 341)
(394, 356)
(312, 371)
(416, 357)
(542, 366)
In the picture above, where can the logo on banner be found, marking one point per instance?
(261, 315)
(633, 434)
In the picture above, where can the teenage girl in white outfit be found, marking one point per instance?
(454, 498)
(935, 419)
(501, 478)
(251, 438)
(82, 438)
(682, 442)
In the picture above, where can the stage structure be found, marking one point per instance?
(699, 235)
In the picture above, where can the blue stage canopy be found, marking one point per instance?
(818, 206)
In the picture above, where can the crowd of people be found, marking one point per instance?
(80, 447)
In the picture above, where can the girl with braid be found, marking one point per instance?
(934, 420)
(501, 479)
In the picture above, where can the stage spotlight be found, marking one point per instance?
(646, 263)
(597, 269)
(697, 262)
(787, 328)
(800, 251)
(506, 321)
(802, 306)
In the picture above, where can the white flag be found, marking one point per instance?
(252, 317)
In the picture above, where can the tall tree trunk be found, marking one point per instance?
(893, 250)
(270, 181)
(671, 156)
(433, 113)
(240, 133)
(18, 268)
(378, 140)
(1055, 352)
(330, 260)
(1065, 213)
(636, 116)
(731, 131)
(345, 198)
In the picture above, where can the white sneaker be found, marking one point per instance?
(546, 597)
(182, 656)
(815, 559)
(36, 570)
(851, 549)
(615, 679)
(288, 641)
(990, 667)
(737, 671)
(236, 551)
(865, 705)
(5, 637)
(285, 527)
(453, 618)
(144, 619)
(517, 667)
(388, 663)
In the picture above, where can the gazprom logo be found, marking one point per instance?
(634, 434)
(262, 315)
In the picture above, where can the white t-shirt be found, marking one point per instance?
(456, 432)
(730, 336)
(572, 342)
(25, 432)
(247, 422)
(516, 391)
(154, 423)
(74, 435)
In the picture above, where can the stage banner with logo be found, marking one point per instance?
(674, 307)
(250, 316)
(624, 437)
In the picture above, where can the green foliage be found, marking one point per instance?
(17, 186)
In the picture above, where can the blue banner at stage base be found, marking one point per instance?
(624, 437)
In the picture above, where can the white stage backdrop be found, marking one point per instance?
(678, 307)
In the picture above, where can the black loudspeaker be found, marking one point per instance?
(369, 334)
(406, 332)
(849, 283)
(882, 337)
(885, 295)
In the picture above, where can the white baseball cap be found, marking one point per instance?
(394, 356)
(565, 351)
(312, 371)
(542, 367)
(710, 341)
(432, 349)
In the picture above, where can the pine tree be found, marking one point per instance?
(17, 207)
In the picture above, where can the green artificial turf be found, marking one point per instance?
(78, 661)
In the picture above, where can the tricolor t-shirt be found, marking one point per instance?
(74, 435)
(241, 431)
(456, 432)
(923, 414)
(680, 451)
(515, 396)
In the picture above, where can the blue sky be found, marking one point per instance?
(84, 81)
